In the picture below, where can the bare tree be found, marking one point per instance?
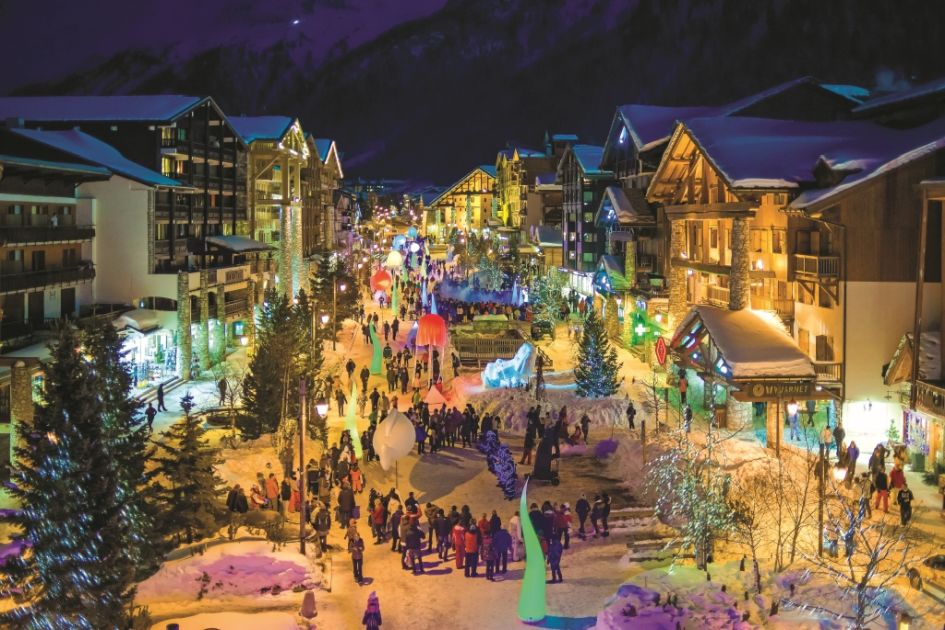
(864, 555)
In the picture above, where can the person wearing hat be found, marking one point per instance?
(356, 549)
(372, 613)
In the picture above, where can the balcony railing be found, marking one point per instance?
(818, 266)
(30, 234)
(646, 262)
(783, 307)
(45, 277)
(930, 397)
(829, 371)
(236, 308)
(718, 296)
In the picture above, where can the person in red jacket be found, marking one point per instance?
(378, 517)
(897, 478)
(472, 550)
(459, 544)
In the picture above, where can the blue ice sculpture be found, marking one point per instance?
(514, 372)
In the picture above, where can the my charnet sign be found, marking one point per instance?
(767, 390)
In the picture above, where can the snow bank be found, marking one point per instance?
(512, 405)
(634, 608)
(232, 621)
(229, 576)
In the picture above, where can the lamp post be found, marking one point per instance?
(334, 311)
(301, 461)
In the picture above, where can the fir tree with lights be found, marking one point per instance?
(128, 445)
(597, 366)
(74, 573)
(188, 483)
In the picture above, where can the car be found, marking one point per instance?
(543, 328)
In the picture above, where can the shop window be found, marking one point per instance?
(777, 241)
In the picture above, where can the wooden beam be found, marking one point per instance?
(710, 210)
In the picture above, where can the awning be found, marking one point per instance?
(239, 244)
(146, 320)
(751, 345)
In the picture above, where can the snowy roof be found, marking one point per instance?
(323, 148)
(650, 124)
(156, 107)
(588, 157)
(545, 179)
(547, 235)
(253, 128)
(522, 152)
(623, 207)
(239, 244)
(613, 269)
(899, 368)
(874, 156)
(146, 320)
(752, 343)
(564, 137)
(767, 153)
(71, 167)
(920, 91)
(488, 169)
(853, 93)
(91, 149)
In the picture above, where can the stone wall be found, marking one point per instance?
(740, 278)
(184, 340)
(677, 275)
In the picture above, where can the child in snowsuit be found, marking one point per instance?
(372, 614)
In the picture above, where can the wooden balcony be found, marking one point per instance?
(46, 234)
(930, 397)
(718, 296)
(24, 280)
(829, 371)
(810, 266)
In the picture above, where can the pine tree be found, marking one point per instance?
(75, 505)
(127, 437)
(597, 366)
(187, 480)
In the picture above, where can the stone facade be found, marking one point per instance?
(21, 394)
(218, 339)
(203, 329)
(677, 275)
(740, 278)
(184, 340)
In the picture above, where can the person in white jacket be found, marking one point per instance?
(518, 544)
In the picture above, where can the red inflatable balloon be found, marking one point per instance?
(381, 281)
(431, 331)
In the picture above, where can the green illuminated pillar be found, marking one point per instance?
(376, 360)
(531, 599)
(351, 422)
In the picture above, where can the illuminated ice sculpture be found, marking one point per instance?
(514, 372)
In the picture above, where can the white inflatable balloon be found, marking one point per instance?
(394, 438)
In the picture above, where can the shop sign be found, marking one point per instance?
(767, 390)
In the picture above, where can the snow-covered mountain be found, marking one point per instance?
(429, 88)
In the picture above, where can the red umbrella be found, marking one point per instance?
(381, 281)
(431, 331)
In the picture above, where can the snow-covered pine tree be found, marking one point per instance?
(72, 575)
(138, 543)
(187, 480)
(597, 366)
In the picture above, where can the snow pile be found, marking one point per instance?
(229, 576)
(512, 405)
(267, 620)
(635, 608)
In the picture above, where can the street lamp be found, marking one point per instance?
(334, 311)
(321, 407)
